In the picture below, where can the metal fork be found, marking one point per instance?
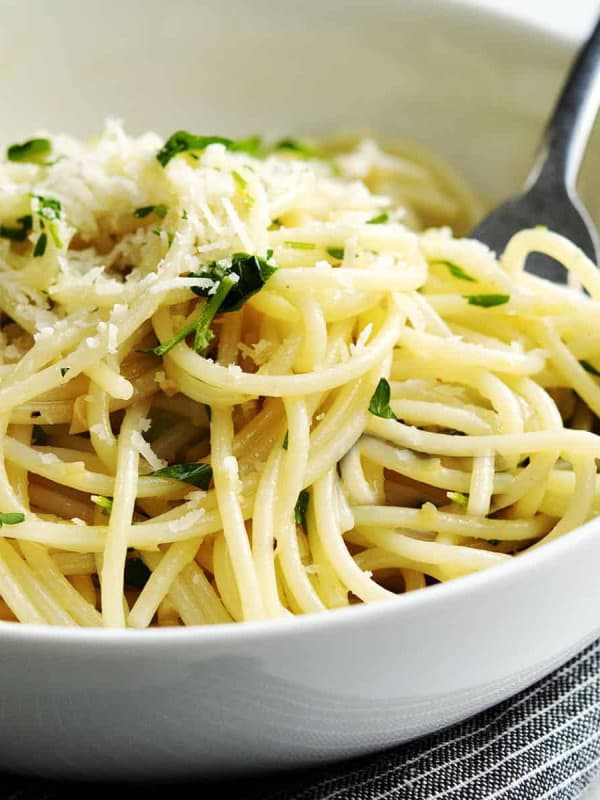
(549, 195)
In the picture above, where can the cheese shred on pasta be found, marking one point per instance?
(240, 382)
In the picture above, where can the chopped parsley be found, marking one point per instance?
(299, 148)
(380, 402)
(144, 211)
(200, 326)
(48, 208)
(40, 245)
(252, 273)
(241, 182)
(11, 519)
(455, 270)
(63, 371)
(301, 508)
(184, 142)
(31, 151)
(458, 498)
(104, 503)
(380, 219)
(302, 149)
(136, 573)
(286, 440)
(487, 300)
(242, 185)
(199, 475)
(590, 368)
(252, 146)
(336, 252)
(49, 211)
(20, 232)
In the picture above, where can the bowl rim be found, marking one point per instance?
(242, 633)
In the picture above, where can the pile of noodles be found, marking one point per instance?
(240, 381)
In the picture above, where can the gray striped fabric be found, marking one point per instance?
(543, 744)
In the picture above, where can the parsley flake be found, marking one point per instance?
(199, 475)
(380, 402)
(486, 300)
(144, 211)
(380, 219)
(458, 497)
(252, 273)
(104, 503)
(31, 151)
(455, 270)
(40, 245)
(20, 232)
(301, 508)
(11, 519)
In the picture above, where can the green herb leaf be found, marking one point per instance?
(458, 498)
(252, 272)
(104, 503)
(301, 508)
(455, 270)
(202, 332)
(48, 207)
(31, 151)
(136, 573)
(252, 146)
(237, 281)
(242, 185)
(286, 440)
(486, 300)
(380, 219)
(144, 211)
(184, 142)
(63, 371)
(240, 180)
(40, 245)
(19, 233)
(336, 252)
(199, 475)
(299, 148)
(380, 402)
(11, 519)
(590, 368)
(494, 542)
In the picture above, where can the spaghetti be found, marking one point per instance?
(242, 382)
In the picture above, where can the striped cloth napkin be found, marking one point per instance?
(543, 744)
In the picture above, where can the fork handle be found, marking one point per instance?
(568, 129)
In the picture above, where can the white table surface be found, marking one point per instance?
(573, 19)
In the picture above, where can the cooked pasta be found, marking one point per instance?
(242, 381)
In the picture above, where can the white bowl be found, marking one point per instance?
(225, 699)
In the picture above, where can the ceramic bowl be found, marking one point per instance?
(475, 88)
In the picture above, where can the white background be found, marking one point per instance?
(571, 18)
